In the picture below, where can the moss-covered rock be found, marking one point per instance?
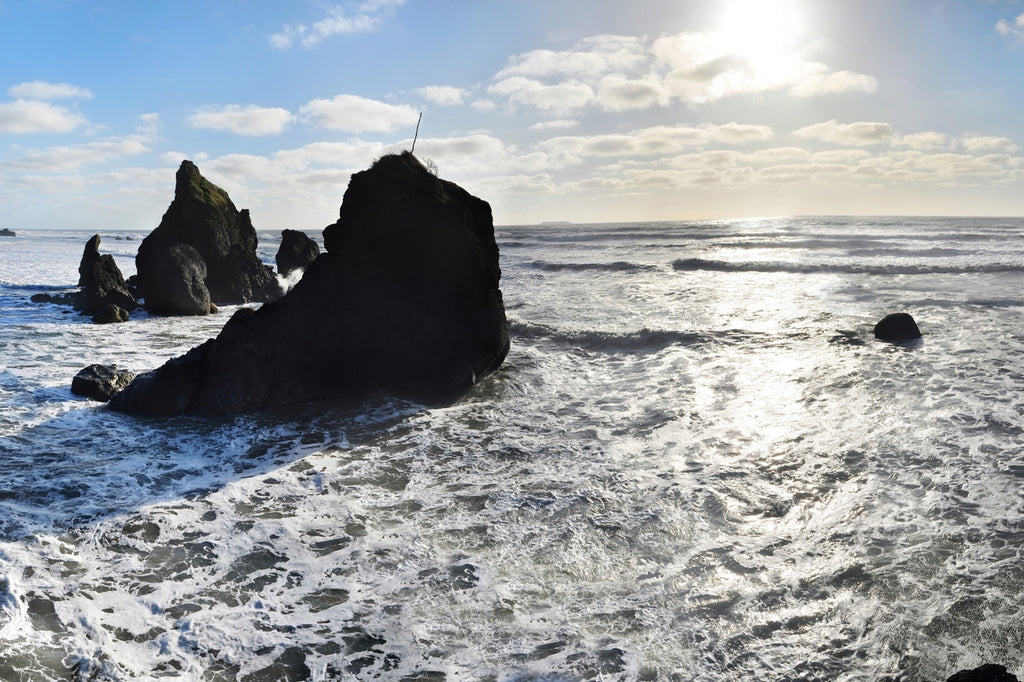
(203, 217)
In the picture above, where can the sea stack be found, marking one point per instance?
(103, 285)
(203, 252)
(296, 252)
(405, 302)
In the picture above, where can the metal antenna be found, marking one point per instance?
(417, 133)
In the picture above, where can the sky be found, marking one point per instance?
(551, 110)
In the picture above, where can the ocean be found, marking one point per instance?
(696, 464)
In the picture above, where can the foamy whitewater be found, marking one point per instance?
(696, 464)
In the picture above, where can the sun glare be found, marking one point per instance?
(760, 29)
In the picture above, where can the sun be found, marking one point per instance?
(760, 30)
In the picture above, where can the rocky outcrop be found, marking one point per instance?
(101, 382)
(7, 233)
(897, 327)
(214, 238)
(110, 314)
(101, 282)
(990, 672)
(405, 301)
(296, 252)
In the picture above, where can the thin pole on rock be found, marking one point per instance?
(417, 133)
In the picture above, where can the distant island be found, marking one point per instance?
(556, 222)
(4, 232)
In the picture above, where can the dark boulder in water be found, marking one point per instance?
(100, 382)
(990, 672)
(101, 281)
(109, 314)
(182, 271)
(203, 218)
(897, 327)
(405, 301)
(7, 233)
(297, 251)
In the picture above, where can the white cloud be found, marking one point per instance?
(982, 143)
(26, 116)
(1016, 29)
(621, 73)
(777, 156)
(555, 124)
(660, 140)
(559, 98)
(819, 81)
(250, 120)
(47, 91)
(617, 93)
(589, 58)
(64, 158)
(859, 134)
(927, 141)
(483, 105)
(358, 114)
(445, 95)
(342, 20)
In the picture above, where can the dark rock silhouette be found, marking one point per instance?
(990, 672)
(7, 233)
(109, 314)
(897, 327)
(221, 238)
(182, 270)
(405, 302)
(297, 250)
(100, 382)
(101, 281)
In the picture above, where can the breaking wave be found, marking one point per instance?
(698, 264)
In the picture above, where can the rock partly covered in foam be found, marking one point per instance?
(405, 301)
(897, 327)
(100, 382)
(296, 252)
(214, 239)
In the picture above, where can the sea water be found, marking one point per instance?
(696, 464)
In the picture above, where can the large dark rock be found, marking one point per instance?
(101, 281)
(405, 301)
(7, 233)
(990, 672)
(203, 217)
(297, 251)
(897, 327)
(182, 271)
(100, 382)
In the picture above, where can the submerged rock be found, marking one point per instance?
(101, 281)
(297, 251)
(405, 301)
(100, 382)
(897, 327)
(990, 672)
(203, 218)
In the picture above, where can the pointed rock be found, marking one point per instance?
(202, 217)
(101, 281)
